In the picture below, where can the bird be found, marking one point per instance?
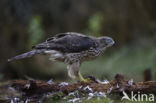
(72, 48)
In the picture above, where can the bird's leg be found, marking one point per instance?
(83, 79)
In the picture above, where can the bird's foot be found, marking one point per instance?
(93, 79)
(83, 79)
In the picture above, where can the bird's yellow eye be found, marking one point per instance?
(107, 41)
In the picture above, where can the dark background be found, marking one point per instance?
(131, 23)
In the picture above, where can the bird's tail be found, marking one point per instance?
(26, 55)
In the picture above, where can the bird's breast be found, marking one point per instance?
(82, 56)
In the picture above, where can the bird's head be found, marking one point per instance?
(106, 41)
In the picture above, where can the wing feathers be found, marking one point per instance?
(67, 43)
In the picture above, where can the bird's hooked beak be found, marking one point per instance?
(110, 41)
(107, 41)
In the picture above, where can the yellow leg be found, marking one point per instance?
(82, 79)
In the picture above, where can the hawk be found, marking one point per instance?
(71, 48)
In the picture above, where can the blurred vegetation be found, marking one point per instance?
(35, 30)
(24, 23)
(95, 24)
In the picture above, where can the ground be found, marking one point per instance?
(32, 91)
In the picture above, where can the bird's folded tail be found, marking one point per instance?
(26, 55)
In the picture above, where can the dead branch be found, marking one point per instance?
(119, 84)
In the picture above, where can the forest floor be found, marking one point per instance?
(34, 91)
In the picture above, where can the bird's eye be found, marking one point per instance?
(107, 41)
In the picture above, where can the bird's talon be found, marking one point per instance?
(82, 79)
(86, 80)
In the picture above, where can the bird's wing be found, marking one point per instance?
(68, 42)
(57, 36)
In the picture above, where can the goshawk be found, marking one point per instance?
(71, 48)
